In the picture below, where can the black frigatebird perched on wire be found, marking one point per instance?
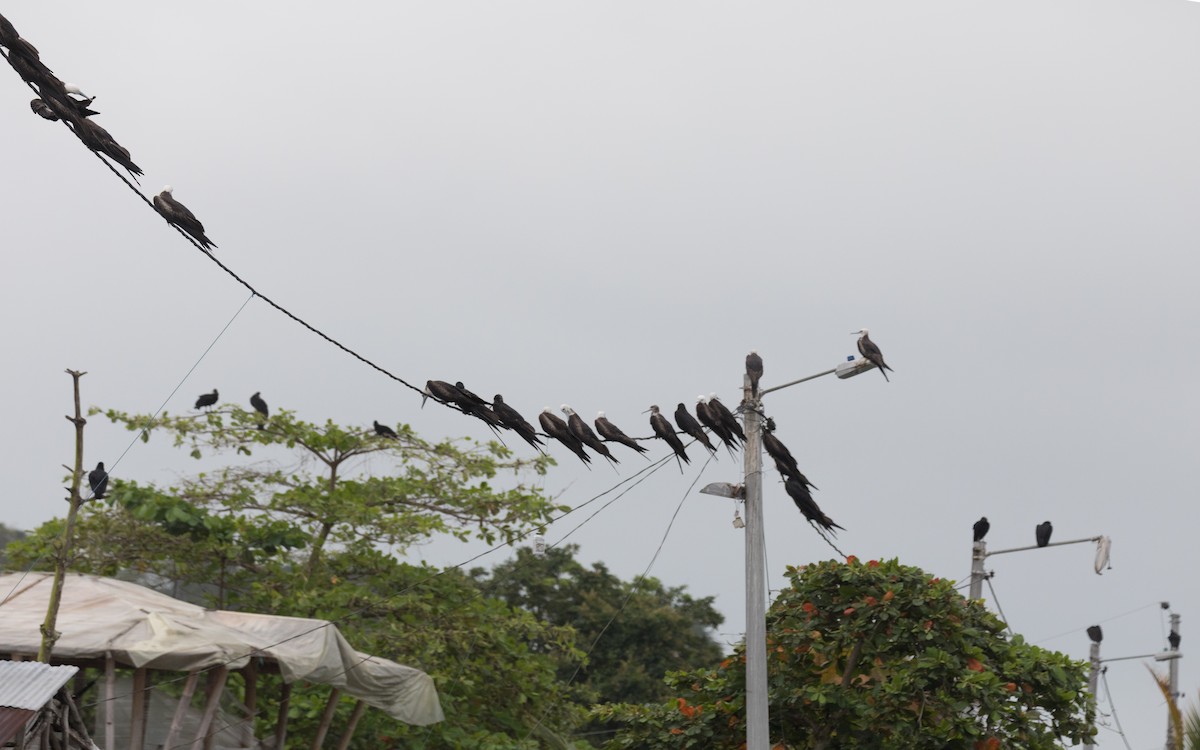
(15, 43)
(43, 110)
(512, 419)
(663, 429)
(784, 461)
(584, 434)
(260, 406)
(1043, 532)
(99, 140)
(754, 368)
(178, 214)
(478, 408)
(808, 507)
(688, 424)
(613, 434)
(383, 430)
(870, 351)
(98, 481)
(981, 528)
(710, 419)
(51, 108)
(462, 399)
(440, 391)
(557, 429)
(207, 399)
(731, 423)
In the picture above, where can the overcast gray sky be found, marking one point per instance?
(608, 205)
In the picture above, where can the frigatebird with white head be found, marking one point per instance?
(178, 214)
(614, 434)
(584, 434)
(870, 351)
(553, 426)
(663, 429)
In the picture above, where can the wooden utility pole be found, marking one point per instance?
(49, 634)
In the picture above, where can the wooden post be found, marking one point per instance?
(281, 721)
(110, 700)
(250, 700)
(63, 553)
(359, 709)
(213, 690)
(326, 718)
(185, 702)
(137, 712)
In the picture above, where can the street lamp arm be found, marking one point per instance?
(1034, 546)
(764, 391)
(1160, 656)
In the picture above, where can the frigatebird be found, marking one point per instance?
(98, 139)
(870, 352)
(207, 399)
(98, 481)
(557, 429)
(43, 110)
(512, 419)
(784, 461)
(1095, 633)
(981, 528)
(383, 430)
(804, 501)
(754, 368)
(260, 406)
(613, 434)
(477, 407)
(1174, 638)
(1043, 532)
(663, 429)
(584, 434)
(688, 424)
(178, 214)
(708, 417)
(15, 42)
(440, 391)
(731, 423)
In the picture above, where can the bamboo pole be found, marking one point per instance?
(351, 725)
(326, 718)
(281, 721)
(185, 702)
(214, 688)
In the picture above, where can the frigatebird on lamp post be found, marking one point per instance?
(981, 528)
(207, 399)
(663, 429)
(557, 429)
(1043, 532)
(804, 501)
(870, 351)
(731, 423)
(688, 424)
(614, 434)
(512, 419)
(178, 214)
(754, 368)
(584, 434)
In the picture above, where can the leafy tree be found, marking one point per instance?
(308, 534)
(877, 655)
(659, 629)
(7, 534)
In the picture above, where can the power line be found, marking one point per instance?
(1113, 706)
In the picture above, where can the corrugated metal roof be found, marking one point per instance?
(29, 685)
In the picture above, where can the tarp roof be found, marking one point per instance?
(140, 627)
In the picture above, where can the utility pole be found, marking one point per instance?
(1173, 681)
(1093, 680)
(978, 555)
(757, 704)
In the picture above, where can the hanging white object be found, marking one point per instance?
(539, 546)
(738, 523)
(1102, 548)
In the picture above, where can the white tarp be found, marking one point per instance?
(143, 628)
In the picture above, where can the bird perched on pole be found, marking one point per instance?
(663, 430)
(383, 430)
(613, 434)
(1174, 639)
(688, 424)
(98, 481)
(512, 419)
(584, 434)
(981, 528)
(808, 507)
(870, 351)
(207, 399)
(731, 423)
(260, 406)
(553, 426)
(754, 368)
(1043, 532)
(178, 215)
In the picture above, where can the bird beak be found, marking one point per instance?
(424, 398)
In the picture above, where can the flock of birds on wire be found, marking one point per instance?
(64, 101)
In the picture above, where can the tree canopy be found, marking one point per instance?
(876, 655)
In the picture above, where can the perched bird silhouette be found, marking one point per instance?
(1043, 532)
(754, 368)
(1095, 633)
(808, 507)
(731, 422)
(383, 430)
(41, 109)
(784, 461)
(99, 140)
(710, 419)
(512, 419)
(584, 434)
(688, 424)
(981, 528)
(870, 352)
(98, 481)
(557, 429)
(207, 399)
(260, 406)
(663, 429)
(15, 42)
(613, 434)
(178, 214)
(1174, 640)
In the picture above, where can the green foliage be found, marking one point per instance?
(876, 655)
(7, 535)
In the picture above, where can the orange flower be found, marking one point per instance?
(873, 564)
(848, 611)
(850, 560)
(889, 596)
(676, 730)
(974, 665)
